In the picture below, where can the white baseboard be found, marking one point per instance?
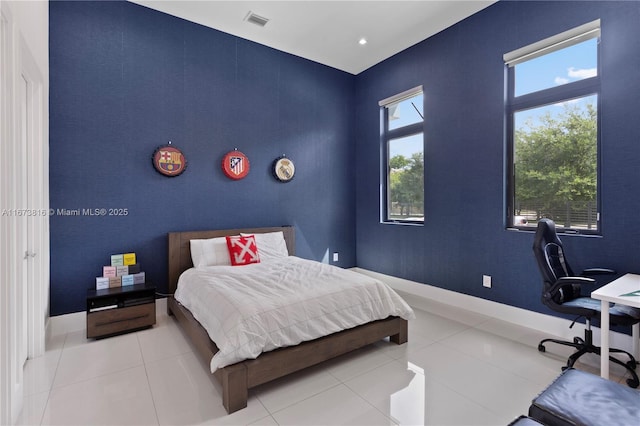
(68, 323)
(547, 324)
(47, 329)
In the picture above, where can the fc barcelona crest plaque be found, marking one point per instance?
(169, 160)
(235, 165)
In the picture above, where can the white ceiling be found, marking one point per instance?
(328, 31)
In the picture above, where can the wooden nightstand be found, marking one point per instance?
(120, 309)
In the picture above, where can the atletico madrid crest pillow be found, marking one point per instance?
(242, 250)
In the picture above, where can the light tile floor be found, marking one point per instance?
(458, 368)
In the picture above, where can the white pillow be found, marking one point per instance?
(211, 252)
(271, 245)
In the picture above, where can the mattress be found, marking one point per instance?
(281, 302)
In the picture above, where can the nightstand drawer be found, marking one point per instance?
(113, 321)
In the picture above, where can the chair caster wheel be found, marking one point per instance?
(541, 348)
(578, 341)
(633, 383)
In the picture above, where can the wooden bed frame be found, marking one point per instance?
(237, 379)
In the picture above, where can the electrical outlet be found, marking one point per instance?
(335, 256)
(486, 281)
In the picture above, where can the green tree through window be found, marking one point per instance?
(556, 166)
(407, 184)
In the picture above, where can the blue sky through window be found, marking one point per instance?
(563, 66)
(408, 111)
(404, 113)
(406, 146)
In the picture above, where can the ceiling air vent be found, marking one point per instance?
(256, 19)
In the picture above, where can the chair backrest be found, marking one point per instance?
(551, 259)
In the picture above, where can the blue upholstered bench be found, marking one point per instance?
(580, 398)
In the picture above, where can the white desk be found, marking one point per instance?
(612, 293)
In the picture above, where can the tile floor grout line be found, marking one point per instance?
(304, 399)
(53, 380)
(146, 375)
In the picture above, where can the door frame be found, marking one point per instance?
(21, 225)
(37, 218)
(10, 395)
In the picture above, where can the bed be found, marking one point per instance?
(236, 379)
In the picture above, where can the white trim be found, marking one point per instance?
(9, 395)
(556, 42)
(24, 186)
(35, 224)
(11, 369)
(68, 323)
(400, 96)
(547, 324)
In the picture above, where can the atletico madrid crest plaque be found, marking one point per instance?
(169, 160)
(235, 165)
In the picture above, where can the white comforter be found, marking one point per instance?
(281, 302)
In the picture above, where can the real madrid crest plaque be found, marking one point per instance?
(235, 165)
(169, 160)
(283, 169)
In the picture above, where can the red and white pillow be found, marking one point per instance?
(225, 251)
(242, 250)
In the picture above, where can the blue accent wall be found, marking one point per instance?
(125, 79)
(463, 75)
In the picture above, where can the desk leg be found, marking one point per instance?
(604, 339)
(635, 335)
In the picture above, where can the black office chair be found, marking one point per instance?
(561, 293)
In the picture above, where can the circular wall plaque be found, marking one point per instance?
(235, 165)
(283, 169)
(169, 160)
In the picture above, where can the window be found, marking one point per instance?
(552, 131)
(403, 142)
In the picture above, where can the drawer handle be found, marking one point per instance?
(99, 324)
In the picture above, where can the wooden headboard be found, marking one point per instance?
(180, 247)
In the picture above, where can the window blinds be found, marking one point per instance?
(559, 41)
(400, 96)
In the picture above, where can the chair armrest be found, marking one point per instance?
(573, 280)
(567, 281)
(598, 271)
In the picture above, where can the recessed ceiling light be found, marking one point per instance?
(256, 19)
(362, 41)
